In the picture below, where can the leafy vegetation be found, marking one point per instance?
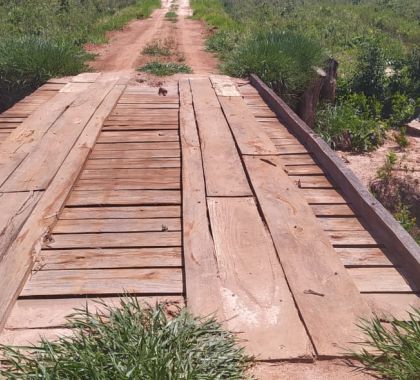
(40, 39)
(396, 347)
(379, 59)
(165, 68)
(132, 342)
(157, 48)
(171, 16)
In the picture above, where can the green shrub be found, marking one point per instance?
(345, 127)
(165, 68)
(132, 342)
(171, 16)
(396, 353)
(27, 62)
(282, 59)
(157, 48)
(402, 109)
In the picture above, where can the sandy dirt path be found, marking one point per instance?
(123, 51)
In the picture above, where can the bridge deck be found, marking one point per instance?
(203, 196)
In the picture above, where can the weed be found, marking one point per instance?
(165, 68)
(385, 171)
(401, 138)
(396, 347)
(132, 342)
(156, 48)
(171, 16)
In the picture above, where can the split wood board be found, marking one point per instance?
(18, 260)
(327, 298)
(223, 170)
(110, 281)
(256, 298)
(201, 274)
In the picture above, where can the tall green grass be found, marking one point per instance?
(285, 60)
(132, 342)
(40, 39)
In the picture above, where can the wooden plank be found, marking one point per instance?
(291, 149)
(145, 174)
(15, 209)
(111, 240)
(135, 154)
(340, 224)
(18, 261)
(202, 283)
(351, 256)
(379, 280)
(379, 220)
(304, 170)
(392, 305)
(223, 86)
(257, 300)
(139, 163)
(223, 170)
(116, 225)
(311, 182)
(138, 127)
(121, 212)
(50, 313)
(159, 183)
(349, 238)
(111, 281)
(248, 134)
(320, 196)
(138, 146)
(123, 197)
(339, 210)
(38, 169)
(328, 300)
(110, 258)
(138, 136)
(27, 337)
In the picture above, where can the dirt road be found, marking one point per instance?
(186, 37)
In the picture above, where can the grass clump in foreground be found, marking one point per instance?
(165, 68)
(133, 342)
(397, 348)
(157, 48)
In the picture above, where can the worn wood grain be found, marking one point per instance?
(327, 298)
(256, 298)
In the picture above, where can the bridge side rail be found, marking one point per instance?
(379, 220)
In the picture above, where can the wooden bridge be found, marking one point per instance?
(216, 196)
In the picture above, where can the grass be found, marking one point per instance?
(171, 16)
(40, 39)
(165, 68)
(157, 48)
(396, 347)
(132, 342)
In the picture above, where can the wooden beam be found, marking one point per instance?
(202, 282)
(327, 298)
(378, 219)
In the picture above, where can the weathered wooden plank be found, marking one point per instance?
(159, 183)
(15, 209)
(146, 174)
(17, 262)
(50, 313)
(202, 283)
(64, 226)
(223, 86)
(392, 305)
(123, 197)
(110, 281)
(27, 337)
(379, 280)
(304, 170)
(110, 258)
(223, 170)
(38, 169)
(138, 146)
(139, 163)
(134, 154)
(248, 134)
(122, 212)
(349, 238)
(351, 256)
(256, 297)
(138, 127)
(320, 196)
(114, 239)
(328, 300)
(138, 136)
(379, 220)
(291, 149)
(310, 182)
(340, 224)
(338, 210)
